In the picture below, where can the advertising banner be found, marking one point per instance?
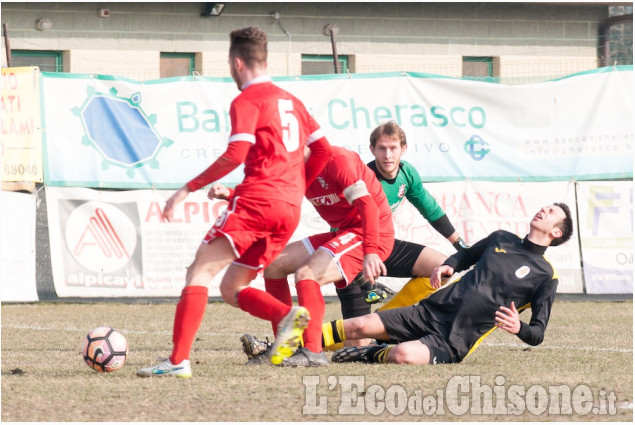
(114, 243)
(476, 209)
(17, 247)
(21, 146)
(106, 132)
(606, 236)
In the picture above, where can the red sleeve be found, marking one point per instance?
(235, 155)
(243, 115)
(320, 154)
(370, 223)
(343, 171)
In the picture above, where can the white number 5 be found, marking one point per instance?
(289, 123)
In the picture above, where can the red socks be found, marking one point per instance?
(187, 319)
(279, 288)
(310, 297)
(262, 305)
(190, 311)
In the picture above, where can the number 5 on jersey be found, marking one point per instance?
(289, 124)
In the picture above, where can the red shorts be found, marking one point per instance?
(257, 230)
(345, 247)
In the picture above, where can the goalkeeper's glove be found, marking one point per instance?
(373, 293)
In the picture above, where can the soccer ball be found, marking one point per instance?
(105, 349)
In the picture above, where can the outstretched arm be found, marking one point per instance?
(234, 156)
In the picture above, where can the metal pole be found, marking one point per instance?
(336, 64)
(5, 31)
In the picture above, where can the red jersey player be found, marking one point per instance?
(270, 129)
(348, 196)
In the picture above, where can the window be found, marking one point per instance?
(478, 67)
(46, 60)
(323, 64)
(176, 64)
(616, 36)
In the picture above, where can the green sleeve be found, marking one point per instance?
(419, 196)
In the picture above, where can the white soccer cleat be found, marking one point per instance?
(289, 334)
(166, 368)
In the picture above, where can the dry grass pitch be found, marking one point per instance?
(588, 345)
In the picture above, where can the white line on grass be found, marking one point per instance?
(169, 332)
(558, 347)
(124, 331)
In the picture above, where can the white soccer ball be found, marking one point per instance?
(105, 349)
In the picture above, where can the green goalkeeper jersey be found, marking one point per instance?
(407, 184)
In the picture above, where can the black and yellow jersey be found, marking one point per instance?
(506, 269)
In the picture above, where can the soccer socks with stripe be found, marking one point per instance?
(187, 319)
(352, 304)
(262, 305)
(333, 332)
(379, 354)
(279, 288)
(412, 292)
(310, 297)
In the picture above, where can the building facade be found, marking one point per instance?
(508, 42)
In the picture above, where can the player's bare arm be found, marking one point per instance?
(177, 197)
(234, 156)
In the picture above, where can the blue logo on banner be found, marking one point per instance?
(120, 131)
(476, 147)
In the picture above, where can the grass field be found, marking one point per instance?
(587, 352)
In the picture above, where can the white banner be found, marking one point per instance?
(114, 244)
(476, 209)
(107, 132)
(606, 236)
(17, 247)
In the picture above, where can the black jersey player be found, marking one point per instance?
(509, 274)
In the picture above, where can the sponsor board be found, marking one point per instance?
(116, 244)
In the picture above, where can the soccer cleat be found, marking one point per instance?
(261, 359)
(253, 346)
(289, 334)
(356, 354)
(306, 358)
(166, 368)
